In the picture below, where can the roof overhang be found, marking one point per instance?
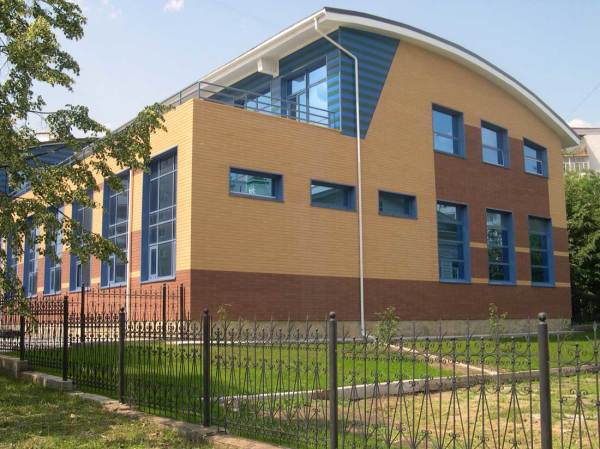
(330, 19)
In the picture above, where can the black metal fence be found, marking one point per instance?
(314, 385)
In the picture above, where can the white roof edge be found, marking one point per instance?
(332, 18)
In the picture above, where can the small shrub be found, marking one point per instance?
(387, 325)
(496, 321)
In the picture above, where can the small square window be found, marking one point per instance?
(535, 158)
(334, 196)
(494, 144)
(255, 184)
(448, 136)
(397, 205)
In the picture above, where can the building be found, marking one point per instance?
(253, 197)
(586, 155)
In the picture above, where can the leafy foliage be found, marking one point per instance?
(583, 221)
(386, 328)
(31, 55)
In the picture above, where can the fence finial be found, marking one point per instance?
(542, 317)
(332, 315)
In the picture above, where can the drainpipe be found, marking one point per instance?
(129, 251)
(361, 264)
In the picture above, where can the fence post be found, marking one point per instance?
(181, 311)
(22, 337)
(65, 330)
(164, 311)
(82, 315)
(206, 421)
(544, 367)
(122, 355)
(332, 380)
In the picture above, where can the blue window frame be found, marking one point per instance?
(540, 250)
(255, 184)
(159, 219)
(12, 260)
(494, 145)
(448, 131)
(535, 158)
(453, 238)
(53, 262)
(115, 227)
(30, 263)
(500, 242)
(307, 95)
(80, 269)
(332, 196)
(397, 205)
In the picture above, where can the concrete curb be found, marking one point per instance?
(12, 366)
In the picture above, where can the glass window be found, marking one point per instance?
(117, 225)
(452, 241)
(333, 196)
(500, 246)
(535, 158)
(162, 218)
(80, 269)
(447, 131)
(307, 96)
(494, 143)
(53, 262)
(31, 263)
(397, 205)
(257, 184)
(11, 257)
(540, 250)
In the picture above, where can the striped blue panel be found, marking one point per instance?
(375, 54)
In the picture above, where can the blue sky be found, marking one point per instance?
(136, 52)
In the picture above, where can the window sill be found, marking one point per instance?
(120, 284)
(503, 283)
(506, 167)
(406, 217)
(460, 156)
(535, 174)
(159, 280)
(543, 284)
(456, 281)
(256, 197)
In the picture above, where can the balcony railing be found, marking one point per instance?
(257, 102)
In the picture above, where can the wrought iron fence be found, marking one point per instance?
(315, 385)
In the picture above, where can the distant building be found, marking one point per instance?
(586, 155)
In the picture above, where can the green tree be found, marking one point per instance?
(583, 221)
(31, 55)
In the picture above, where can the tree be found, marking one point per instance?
(31, 55)
(583, 221)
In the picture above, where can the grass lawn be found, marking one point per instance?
(514, 353)
(32, 417)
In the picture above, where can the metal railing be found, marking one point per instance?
(314, 385)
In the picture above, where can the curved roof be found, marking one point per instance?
(262, 57)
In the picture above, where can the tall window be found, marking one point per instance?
(52, 263)
(80, 269)
(161, 218)
(540, 250)
(307, 96)
(116, 224)
(11, 258)
(448, 135)
(535, 158)
(30, 263)
(452, 241)
(494, 143)
(500, 246)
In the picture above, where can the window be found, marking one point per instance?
(452, 241)
(334, 196)
(535, 158)
(494, 144)
(260, 103)
(447, 131)
(161, 219)
(576, 164)
(255, 184)
(11, 258)
(397, 205)
(31, 263)
(540, 250)
(500, 246)
(307, 95)
(53, 262)
(116, 224)
(80, 269)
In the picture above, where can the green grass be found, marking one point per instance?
(32, 417)
(519, 353)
